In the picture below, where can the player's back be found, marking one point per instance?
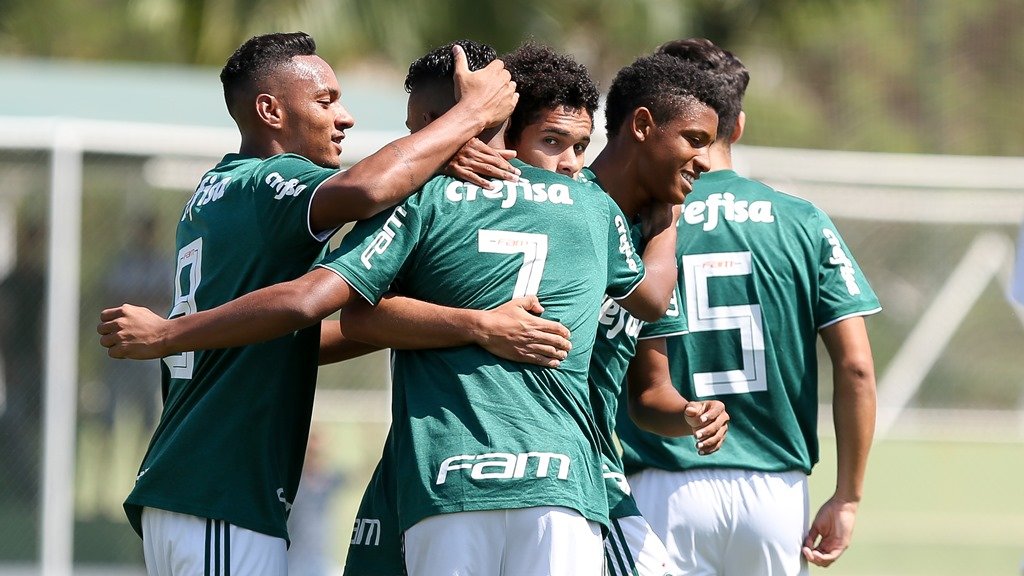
(761, 272)
(237, 419)
(491, 433)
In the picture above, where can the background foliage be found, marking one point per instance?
(902, 75)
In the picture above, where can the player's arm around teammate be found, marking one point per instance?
(401, 167)
(655, 404)
(853, 409)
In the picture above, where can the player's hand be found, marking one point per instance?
(710, 423)
(515, 331)
(831, 532)
(656, 217)
(490, 91)
(131, 332)
(475, 162)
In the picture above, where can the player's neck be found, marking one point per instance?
(260, 147)
(615, 169)
(720, 158)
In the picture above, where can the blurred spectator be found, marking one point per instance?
(309, 525)
(22, 298)
(142, 273)
(126, 404)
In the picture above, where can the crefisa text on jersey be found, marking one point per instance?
(733, 210)
(508, 192)
(840, 258)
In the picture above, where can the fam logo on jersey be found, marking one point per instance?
(210, 189)
(733, 210)
(503, 465)
(284, 187)
(618, 320)
(625, 246)
(383, 238)
(366, 531)
(508, 192)
(841, 259)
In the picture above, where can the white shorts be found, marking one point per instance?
(182, 545)
(633, 549)
(726, 521)
(538, 541)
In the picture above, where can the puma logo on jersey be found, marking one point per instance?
(625, 246)
(283, 500)
(366, 531)
(733, 210)
(617, 319)
(839, 258)
(210, 189)
(502, 465)
(383, 238)
(509, 192)
(284, 187)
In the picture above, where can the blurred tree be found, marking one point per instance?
(904, 75)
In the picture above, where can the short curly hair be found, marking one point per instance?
(259, 57)
(546, 80)
(439, 63)
(721, 64)
(663, 84)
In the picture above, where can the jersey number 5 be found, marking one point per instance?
(186, 280)
(534, 248)
(703, 317)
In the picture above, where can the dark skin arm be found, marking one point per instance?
(513, 331)
(475, 162)
(135, 332)
(390, 175)
(656, 406)
(853, 410)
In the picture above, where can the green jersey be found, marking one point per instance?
(761, 273)
(232, 436)
(473, 431)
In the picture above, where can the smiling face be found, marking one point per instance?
(557, 140)
(675, 152)
(314, 121)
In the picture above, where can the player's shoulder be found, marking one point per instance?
(289, 165)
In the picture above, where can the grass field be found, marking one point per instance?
(934, 508)
(931, 507)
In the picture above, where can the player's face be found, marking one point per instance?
(557, 140)
(676, 152)
(315, 120)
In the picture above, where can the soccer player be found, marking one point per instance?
(519, 457)
(551, 128)
(223, 465)
(763, 274)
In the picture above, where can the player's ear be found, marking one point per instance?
(641, 123)
(269, 111)
(737, 131)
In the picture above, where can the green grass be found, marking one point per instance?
(933, 508)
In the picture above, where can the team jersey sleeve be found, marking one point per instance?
(373, 253)
(282, 198)
(843, 291)
(673, 323)
(625, 268)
